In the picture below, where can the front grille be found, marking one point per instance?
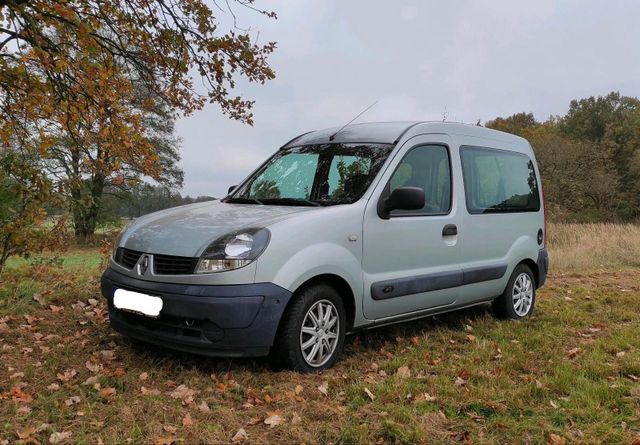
(162, 264)
(127, 257)
(173, 265)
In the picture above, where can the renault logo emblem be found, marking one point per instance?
(143, 264)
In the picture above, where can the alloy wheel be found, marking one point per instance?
(522, 294)
(319, 333)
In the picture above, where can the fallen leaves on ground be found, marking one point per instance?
(324, 388)
(273, 419)
(26, 433)
(106, 393)
(56, 437)
(183, 393)
(17, 394)
(149, 392)
(554, 439)
(66, 375)
(425, 397)
(239, 436)
(572, 353)
(93, 367)
(187, 421)
(72, 400)
(165, 440)
(204, 407)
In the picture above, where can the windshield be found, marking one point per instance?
(314, 175)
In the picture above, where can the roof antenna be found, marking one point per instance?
(332, 137)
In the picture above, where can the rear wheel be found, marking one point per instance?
(311, 334)
(518, 299)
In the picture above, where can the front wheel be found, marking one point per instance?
(311, 334)
(519, 297)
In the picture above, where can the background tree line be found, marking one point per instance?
(142, 199)
(589, 158)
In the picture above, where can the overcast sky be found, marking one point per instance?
(419, 59)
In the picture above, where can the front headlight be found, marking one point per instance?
(233, 251)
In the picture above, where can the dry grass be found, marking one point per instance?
(587, 247)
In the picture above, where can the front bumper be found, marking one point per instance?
(214, 320)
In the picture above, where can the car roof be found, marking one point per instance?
(392, 132)
(371, 132)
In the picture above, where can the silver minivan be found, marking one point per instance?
(340, 230)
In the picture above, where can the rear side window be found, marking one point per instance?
(498, 181)
(426, 167)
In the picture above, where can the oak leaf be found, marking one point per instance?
(324, 388)
(107, 392)
(273, 419)
(187, 421)
(240, 436)
(56, 437)
(554, 439)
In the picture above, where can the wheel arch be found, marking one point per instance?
(534, 268)
(340, 285)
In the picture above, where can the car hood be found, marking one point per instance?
(188, 230)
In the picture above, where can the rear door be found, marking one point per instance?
(502, 217)
(410, 262)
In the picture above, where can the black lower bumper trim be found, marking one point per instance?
(543, 266)
(212, 320)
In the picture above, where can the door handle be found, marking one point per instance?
(449, 230)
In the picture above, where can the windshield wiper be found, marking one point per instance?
(241, 200)
(292, 201)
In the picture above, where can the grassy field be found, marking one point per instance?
(579, 247)
(569, 374)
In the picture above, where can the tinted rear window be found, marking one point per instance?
(499, 181)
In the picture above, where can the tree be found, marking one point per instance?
(68, 77)
(516, 124)
(611, 121)
(142, 199)
(591, 118)
(579, 177)
(83, 183)
(23, 191)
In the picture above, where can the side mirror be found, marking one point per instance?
(402, 198)
(231, 189)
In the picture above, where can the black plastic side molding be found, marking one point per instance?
(400, 287)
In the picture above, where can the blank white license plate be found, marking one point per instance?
(134, 301)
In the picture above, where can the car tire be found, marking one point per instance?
(305, 343)
(519, 297)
